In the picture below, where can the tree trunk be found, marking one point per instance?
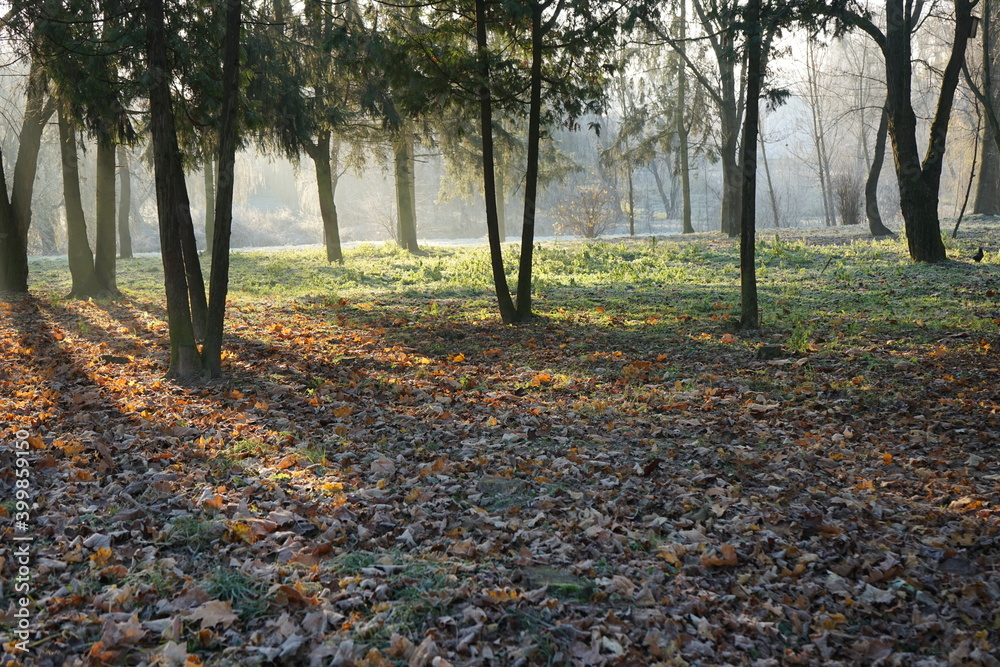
(988, 190)
(664, 197)
(502, 200)
(682, 128)
(972, 174)
(326, 183)
(36, 115)
(531, 173)
(81, 259)
(875, 225)
(825, 187)
(987, 201)
(920, 182)
(13, 253)
(104, 217)
(749, 310)
(124, 205)
(406, 220)
(171, 199)
(732, 177)
(228, 137)
(770, 185)
(208, 171)
(508, 314)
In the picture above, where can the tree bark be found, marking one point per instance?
(36, 115)
(326, 183)
(208, 171)
(776, 214)
(988, 190)
(13, 251)
(749, 309)
(987, 201)
(124, 205)
(682, 129)
(508, 314)
(875, 225)
(81, 259)
(531, 173)
(171, 199)
(228, 137)
(406, 216)
(920, 182)
(104, 217)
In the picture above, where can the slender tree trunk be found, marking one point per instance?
(508, 314)
(228, 137)
(972, 174)
(875, 225)
(829, 217)
(208, 171)
(13, 253)
(531, 174)
(105, 250)
(749, 310)
(631, 198)
(732, 177)
(171, 199)
(124, 205)
(406, 219)
(326, 183)
(987, 201)
(770, 185)
(81, 259)
(36, 115)
(664, 197)
(502, 200)
(682, 128)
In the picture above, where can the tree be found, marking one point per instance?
(875, 224)
(15, 214)
(749, 309)
(13, 248)
(987, 200)
(919, 180)
(228, 140)
(173, 206)
(559, 41)
(124, 205)
(719, 20)
(81, 259)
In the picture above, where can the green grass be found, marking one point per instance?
(828, 295)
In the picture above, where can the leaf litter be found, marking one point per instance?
(358, 492)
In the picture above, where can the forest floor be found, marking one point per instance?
(389, 476)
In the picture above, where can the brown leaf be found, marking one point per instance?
(213, 613)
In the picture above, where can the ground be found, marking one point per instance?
(388, 476)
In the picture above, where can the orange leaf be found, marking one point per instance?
(287, 462)
(343, 411)
(728, 338)
(727, 559)
(540, 379)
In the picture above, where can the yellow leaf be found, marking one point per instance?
(458, 358)
(101, 557)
